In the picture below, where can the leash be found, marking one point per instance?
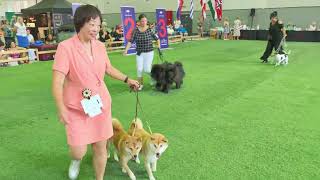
(136, 115)
(283, 40)
(160, 57)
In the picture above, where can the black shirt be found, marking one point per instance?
(143, 40)
(103, 38)
(275, 32)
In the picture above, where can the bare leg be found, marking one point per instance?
(99, 158)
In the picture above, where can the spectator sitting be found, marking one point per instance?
(183, 31)
(118, 34)
(30, 37)
(177, 24)
(104, 36)
(170, 30)
(50, 39)
(14, 47)
(313, 26)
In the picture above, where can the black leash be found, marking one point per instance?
(161, 57)
(136, 114)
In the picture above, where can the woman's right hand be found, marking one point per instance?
(125, 52)
(62, 111)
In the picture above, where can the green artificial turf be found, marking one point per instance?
(233, 118)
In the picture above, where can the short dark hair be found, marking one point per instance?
(273, 14)
(142, 16)
(84, 14)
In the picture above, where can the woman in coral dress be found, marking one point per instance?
(78, 74)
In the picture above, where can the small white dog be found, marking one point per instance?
(281, 59)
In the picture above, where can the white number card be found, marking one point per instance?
(92, 106)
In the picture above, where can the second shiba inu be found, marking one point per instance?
(153, 145)
(126, 146)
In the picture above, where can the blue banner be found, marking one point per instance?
(74, 7)
(129, 25)
(162, 28)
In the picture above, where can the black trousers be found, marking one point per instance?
(271, 44)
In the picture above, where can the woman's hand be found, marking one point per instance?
(62, 111)
(133, 84)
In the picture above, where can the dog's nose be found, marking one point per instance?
(158, 154)
(134, 156)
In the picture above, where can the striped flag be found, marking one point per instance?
(180, 4)
(191, 9)
(203, 8)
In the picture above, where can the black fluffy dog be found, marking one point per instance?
(166, 74)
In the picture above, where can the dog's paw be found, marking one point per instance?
(152, 178)
(154, 169)
(115, 157)
(124, 171)
(133, 177)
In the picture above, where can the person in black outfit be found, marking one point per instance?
(275, 35)
(104, 35)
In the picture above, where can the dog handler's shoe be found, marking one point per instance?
(74, 169)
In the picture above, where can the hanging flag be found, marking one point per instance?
(213, 12)
(203, 8)
(180, 4)
(191, 9)
(218, 7)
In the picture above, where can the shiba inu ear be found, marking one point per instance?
(140, 139)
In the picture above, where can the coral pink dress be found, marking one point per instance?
(84, 72)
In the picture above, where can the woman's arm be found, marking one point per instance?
(57, 91)
(283, 30)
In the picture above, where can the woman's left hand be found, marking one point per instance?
(133, 84)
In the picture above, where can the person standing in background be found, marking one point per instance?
(226, 29)
(21, 32)
(143, 37)
(237, 28)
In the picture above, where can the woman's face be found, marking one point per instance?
(143, 22)
(20, 20)
(90, 29)
(274, 19)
